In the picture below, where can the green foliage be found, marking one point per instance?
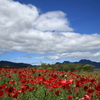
(88, 67)
(67, 67)
(43, 65)
(40, 68)
(49, 68)
(29, 67)
(72, 66)
(57, 67)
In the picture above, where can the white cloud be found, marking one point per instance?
(16, 17)
(53, 57)
(55, 20)
(1, 52)
(23, 29)
(77, 55)
(25, 57)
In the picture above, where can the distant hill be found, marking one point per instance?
(83, 61)
(24, 65)
(13, 64)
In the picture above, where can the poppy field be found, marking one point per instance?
(43, 84)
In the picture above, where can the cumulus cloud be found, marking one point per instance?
(25, 57)
(22, 28)
(55, 20)
(77, 55)
(1, 52)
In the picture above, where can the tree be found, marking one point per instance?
(88, 67)
(43, 65)
(72, 66)
(65, 67)
(79, 67)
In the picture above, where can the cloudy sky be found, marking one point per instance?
(48, 31)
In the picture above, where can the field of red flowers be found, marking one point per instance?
(35, 84)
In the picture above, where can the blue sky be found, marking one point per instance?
(48, 31)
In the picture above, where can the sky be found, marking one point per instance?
(49, 31)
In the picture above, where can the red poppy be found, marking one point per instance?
(85, 88)
(87, 97)
(98, 94)
(50, 89)
(15, 94)
(10, 90)
(12, 82)
(57, 92)
(9, 75)
(55, 85)
(77, 93)
(97, 88)
(63, 81)
(1, 87)
(70, 97)
(81, 99)
(1, 93)
(24, 88)
(90, 91)
(70, 80)
(32, 88)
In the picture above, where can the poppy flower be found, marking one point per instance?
(9, 90)
(81, 99)
(63, 81)
(1, 87)
(12, 82)
(9, 75)
(57, 92)
(15, 94)
(31, 88)
(90, 91)
(85, 88)
(87, 97)
(50, 89)
(97, 88)
(1, 93)
(70, 97)
(98, 94)
(23, 88)
(55, 85)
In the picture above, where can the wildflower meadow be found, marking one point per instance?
(43, 84)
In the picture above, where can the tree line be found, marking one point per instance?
(67, 67)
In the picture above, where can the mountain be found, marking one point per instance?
(83, 61)
(24, 65)
(14, 65)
